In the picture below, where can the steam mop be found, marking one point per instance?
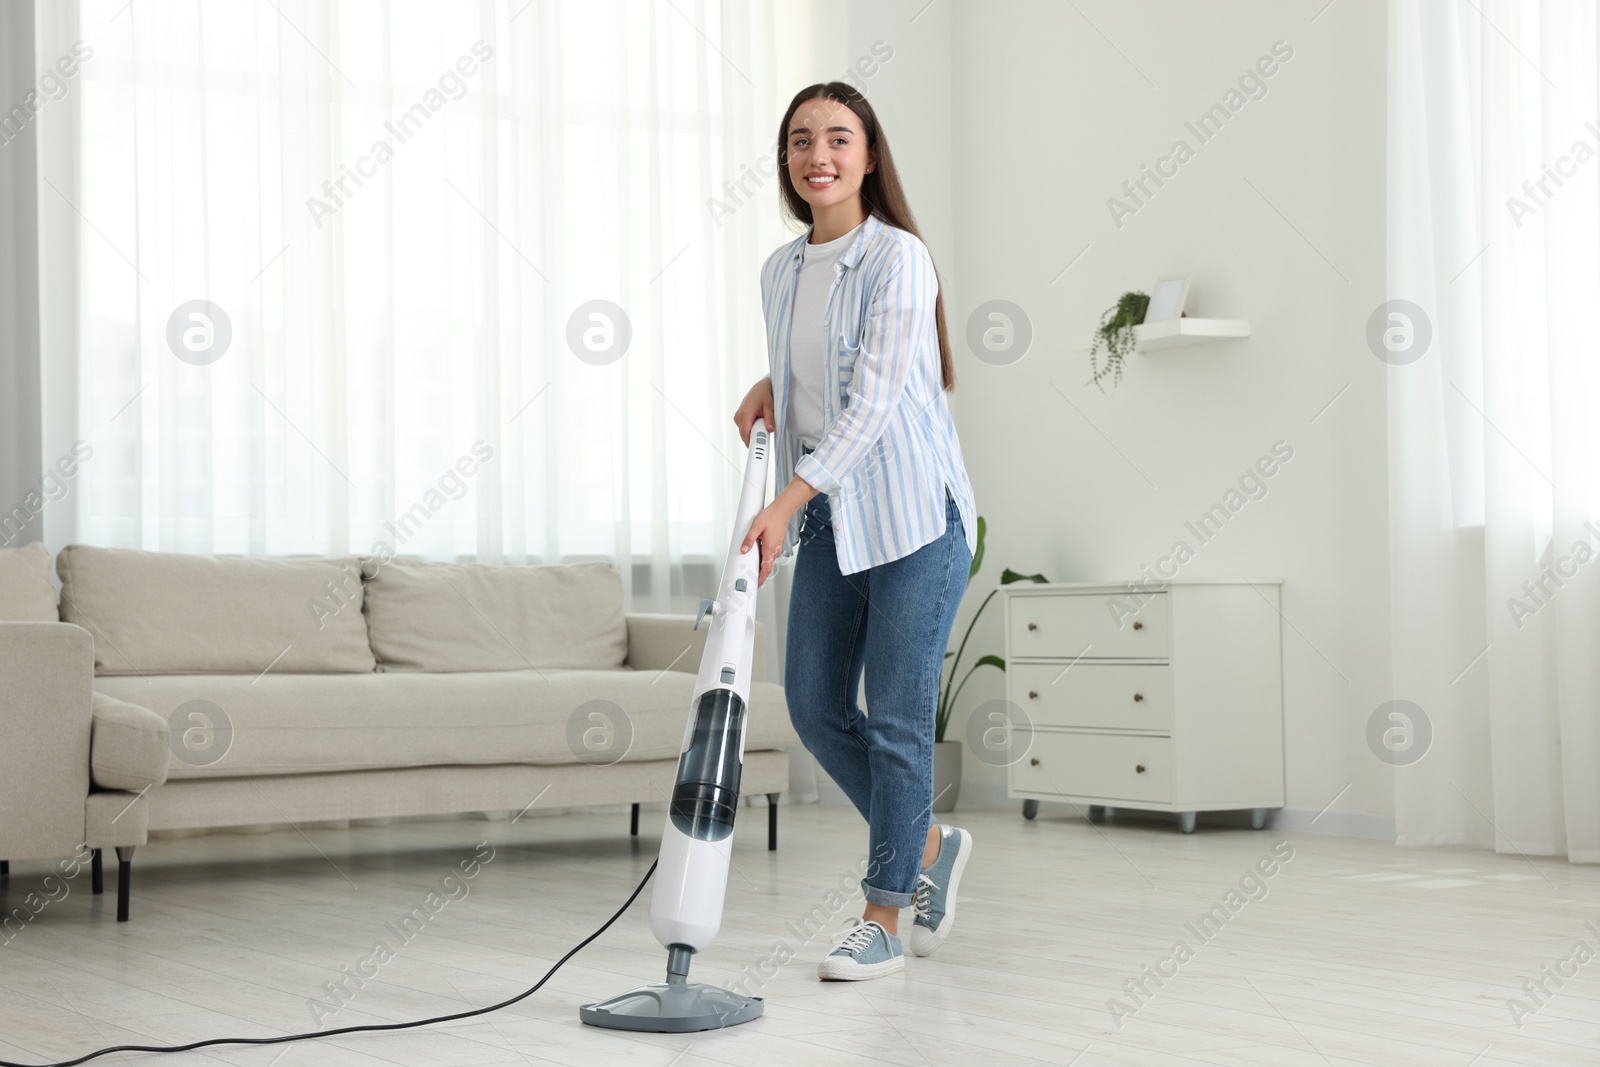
(697, 841)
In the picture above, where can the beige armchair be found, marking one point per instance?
(75, 765)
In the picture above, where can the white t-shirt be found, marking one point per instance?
(808, 338)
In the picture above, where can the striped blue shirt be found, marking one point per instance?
(889, 448)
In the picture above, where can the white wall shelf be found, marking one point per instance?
(1177, 333)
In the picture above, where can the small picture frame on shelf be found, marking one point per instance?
(1166, 300)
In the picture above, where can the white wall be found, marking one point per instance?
(1042, 114)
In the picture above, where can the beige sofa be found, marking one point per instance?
(183, 692)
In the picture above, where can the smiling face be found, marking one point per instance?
(828, 154)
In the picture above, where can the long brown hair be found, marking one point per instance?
(880, 189)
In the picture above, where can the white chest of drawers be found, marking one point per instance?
(1163, 699)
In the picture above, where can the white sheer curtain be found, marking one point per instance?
(404, 211)
(402, 214)
(1494, 444)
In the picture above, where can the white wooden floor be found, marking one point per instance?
(1358, 953)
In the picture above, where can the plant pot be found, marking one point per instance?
(946, 775)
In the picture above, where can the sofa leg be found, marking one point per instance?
(634, 829)
(97, 874)
(772, 822)
(5, 868)
(124, 881)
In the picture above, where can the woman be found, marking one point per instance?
(876, 491)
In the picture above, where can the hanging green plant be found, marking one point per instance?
(1116, 334)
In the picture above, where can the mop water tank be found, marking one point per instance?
(706, 795)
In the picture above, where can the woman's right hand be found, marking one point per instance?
(757, 404)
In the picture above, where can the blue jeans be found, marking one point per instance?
(895, 618)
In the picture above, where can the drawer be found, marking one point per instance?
(1109, 766)
(1119, 696)
(1064, 625)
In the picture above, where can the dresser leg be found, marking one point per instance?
(1030, 808)
(1097, 812)
(1186, 821)
(1258, 818)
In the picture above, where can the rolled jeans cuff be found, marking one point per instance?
(885, 899)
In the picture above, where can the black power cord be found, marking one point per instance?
(361, 1029)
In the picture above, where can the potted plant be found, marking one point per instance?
(947, 754)
(1115, 333)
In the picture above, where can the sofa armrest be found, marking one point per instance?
(46, 679)
(129, 747)
(659, 642)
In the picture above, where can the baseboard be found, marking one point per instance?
(981, 795)
(1334, 823)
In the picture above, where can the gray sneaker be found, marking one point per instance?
(866, 950)
(935, 900)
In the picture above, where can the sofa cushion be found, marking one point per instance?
(26, 593)
(451, 617)
(128, 747)
(168, 613)
(297, 724)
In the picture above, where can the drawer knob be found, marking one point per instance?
(1137, 697)
(1033, 626)
(1138, 626)
(1138, 768)
(1033, 694)
(1034, 762)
